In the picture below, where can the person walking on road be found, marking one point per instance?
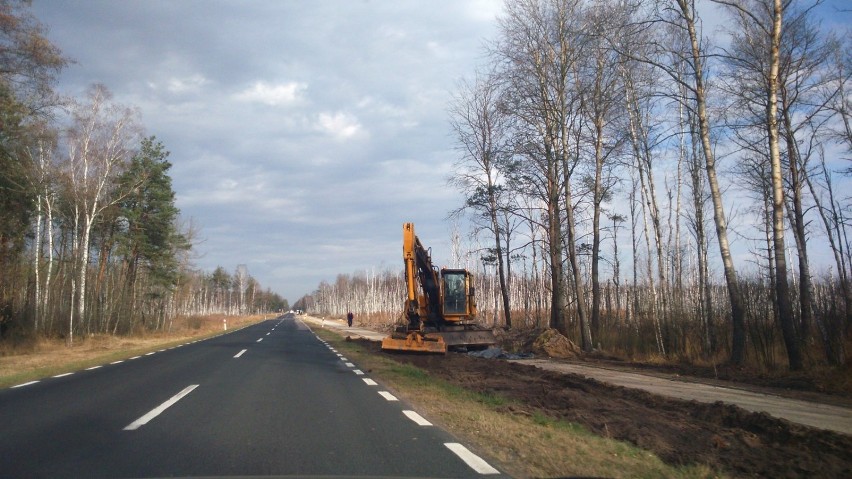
(349, 318)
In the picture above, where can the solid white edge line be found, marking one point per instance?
(370, 382)
(159, 409)
(24, 384)
(472, 460)
(240, 353)
(388, 396)
(417, 418)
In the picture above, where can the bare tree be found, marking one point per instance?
(481, 132)
(697, 222)
(539, 54)
(638, 113)
(241, 278)
(683, 17)
(99, 145)
(600, 89)
(40, 154)
(760, 25)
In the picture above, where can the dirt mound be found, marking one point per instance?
(680, 432)
(552, 344)
(546, 342)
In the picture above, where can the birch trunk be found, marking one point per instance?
(785, 307)
(737, 309)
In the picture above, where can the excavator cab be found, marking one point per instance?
(457, 293)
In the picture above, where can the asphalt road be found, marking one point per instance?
(268, 400)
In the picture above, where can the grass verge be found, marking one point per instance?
(521, 443)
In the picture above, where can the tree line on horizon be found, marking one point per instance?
(90, 237)
(611, 128)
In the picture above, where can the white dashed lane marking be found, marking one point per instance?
(388, 396)
(472, 460)
(159, 409)
(417, 418)
(240, 353)
(24, 384)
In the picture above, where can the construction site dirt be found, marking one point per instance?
(722, 436)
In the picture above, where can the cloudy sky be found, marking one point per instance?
(302, 133)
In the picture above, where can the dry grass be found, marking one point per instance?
(29, 359)
(521, 444)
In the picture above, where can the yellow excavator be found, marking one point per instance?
(440, 308)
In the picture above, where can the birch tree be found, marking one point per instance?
(760, 29)
(241, 278)
(538, 56)
(99, 144)
(481, 130)
(601, 91)
(41, 156)
(683, 17)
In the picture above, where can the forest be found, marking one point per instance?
(91, 241)
(652, 188)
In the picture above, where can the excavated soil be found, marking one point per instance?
(725, 437)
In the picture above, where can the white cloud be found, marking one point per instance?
(273, 95)
(189, 84)
(340, 125)
(179, 85)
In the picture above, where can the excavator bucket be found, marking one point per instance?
(415, 343)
